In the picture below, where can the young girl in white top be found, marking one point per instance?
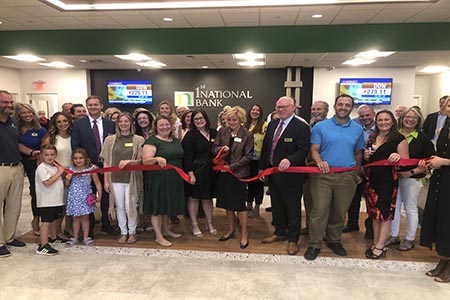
(79, 191)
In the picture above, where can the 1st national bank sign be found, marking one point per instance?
(202, 96)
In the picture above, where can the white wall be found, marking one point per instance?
(423, 89)
(70, 85)
(326, 84)
(439, 86)
(10, 81)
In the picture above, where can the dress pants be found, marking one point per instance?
(11, 188)
(286, 207)
(332, 195)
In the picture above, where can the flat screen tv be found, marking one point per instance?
(129, 92)
(367, 90)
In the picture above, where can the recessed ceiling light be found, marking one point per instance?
(371, 54)
(133, 56)
(251, 63)
(204, 67)
(249, 56)
(25, 57)
(152, 64)
(82, 60)
(316, 16)
(434, 69)
(1, 22)
(359, 61)
(57, 64)
(167, 19)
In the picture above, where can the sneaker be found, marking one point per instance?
(4, 252)
(406, 245)
(46, 250)
(16, 243)
(392, 241)
(58, 240)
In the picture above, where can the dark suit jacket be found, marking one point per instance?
(241, 152)
(83, 137)
(429, 125)
(293, 144)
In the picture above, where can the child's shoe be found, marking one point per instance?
(58, 240)
(70, 243)
(46, 250)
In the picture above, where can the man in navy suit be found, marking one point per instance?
(285, 144)
(435, 121)
(84, 135)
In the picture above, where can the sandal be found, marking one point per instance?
(196, 231)
(88, 242)
(443, 263)
(211, 228)
(371, 255)
(122, 239)
(132, 239)
(444, 277)
(71, 242)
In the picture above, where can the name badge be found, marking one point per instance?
(34, 134)
(288, 140)
(213, 140)
(128, 144)
(237, 139)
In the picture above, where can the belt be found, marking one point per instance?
(9, 164)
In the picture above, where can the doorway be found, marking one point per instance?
(47, 102)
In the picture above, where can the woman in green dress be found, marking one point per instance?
(163, 190)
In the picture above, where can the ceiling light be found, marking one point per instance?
(152, 64)
(165, 4)
(133, 56)
(359, 61)
(167, 19)
(1, 22)
(249, 56)
(204, 67)
(25, 57)
(251, 63)
(57, 64)
(371, 54)
(316, 16)
(434, 69)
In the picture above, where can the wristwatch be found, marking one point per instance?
(412, 172)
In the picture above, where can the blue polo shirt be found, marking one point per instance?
(338, 142)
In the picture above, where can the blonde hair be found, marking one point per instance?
(34, 122)
(130, 118)
(236, 111)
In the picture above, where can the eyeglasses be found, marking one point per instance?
(411, 118)
(143, 119)
(199, 119)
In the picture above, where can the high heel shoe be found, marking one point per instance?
(244, 245)
(196, 231)
(209, 226)
(224, 238)
(371, 255)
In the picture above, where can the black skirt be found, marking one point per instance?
(231, 193)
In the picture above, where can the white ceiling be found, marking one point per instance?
(35, 15)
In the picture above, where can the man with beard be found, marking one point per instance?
(336, 142)
(11, 176)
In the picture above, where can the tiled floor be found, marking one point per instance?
(143, 273)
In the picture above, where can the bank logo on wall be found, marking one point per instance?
(184, 98)
(204, 97)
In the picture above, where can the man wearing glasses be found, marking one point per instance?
(11, 176)
(285, 144)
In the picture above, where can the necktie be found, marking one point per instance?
(98, 144)
(275, 141)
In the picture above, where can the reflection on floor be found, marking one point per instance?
(203, 268)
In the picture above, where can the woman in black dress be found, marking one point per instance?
(436, 220)
(382, 182)
(231, 192)
(197, 163)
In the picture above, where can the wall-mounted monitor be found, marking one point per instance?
(129, 92)
(367, 90)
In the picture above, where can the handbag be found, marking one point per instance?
(91, 199)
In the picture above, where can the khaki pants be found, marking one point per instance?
(11, 188)
(332, 195)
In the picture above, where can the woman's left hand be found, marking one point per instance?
(435, 162)
(123, 163)
(394, 157)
